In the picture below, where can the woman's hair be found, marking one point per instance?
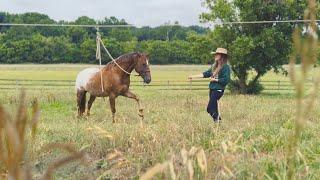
(218, 65)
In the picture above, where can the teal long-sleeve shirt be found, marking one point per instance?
(223, 77)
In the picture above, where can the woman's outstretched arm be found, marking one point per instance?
(195, 76)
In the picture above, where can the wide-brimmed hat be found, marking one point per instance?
(220, 51)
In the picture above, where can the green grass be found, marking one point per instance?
(250, 143)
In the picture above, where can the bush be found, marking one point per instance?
(254, 87)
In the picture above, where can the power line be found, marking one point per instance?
(129, 25)
(67, 25)
(262, 22)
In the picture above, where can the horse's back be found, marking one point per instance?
(84, 77)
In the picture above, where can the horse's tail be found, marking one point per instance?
(81, 100)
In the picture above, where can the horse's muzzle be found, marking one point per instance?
(147, 80)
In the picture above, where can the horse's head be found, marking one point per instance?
(142, 67)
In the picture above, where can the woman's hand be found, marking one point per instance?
(213, 79)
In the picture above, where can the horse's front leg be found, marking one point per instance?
(129, 94)
(112, 100)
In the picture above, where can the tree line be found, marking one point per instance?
(167, 44)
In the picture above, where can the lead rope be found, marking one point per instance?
(98, 56)
(99, 41)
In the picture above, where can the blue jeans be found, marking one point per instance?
(212, 108)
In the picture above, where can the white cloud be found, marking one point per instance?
(137, 12)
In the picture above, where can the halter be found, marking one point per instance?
(144, 71)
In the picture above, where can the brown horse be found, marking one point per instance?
(115, 78)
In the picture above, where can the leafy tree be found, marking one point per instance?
(143, 33)
(158, 51)
(77, 34)
(169, 52)
(84, 20)
(60, 49)
(113, 21)
(18, 33)
(121, 34)
(200, 48)
(160, 33)
(179, 52)
(199, 29)
(88, 51)
(110, 21)
(3, 19)
(130, 46)
(253, 47)
(114, 48)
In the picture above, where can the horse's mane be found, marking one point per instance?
(126, 58)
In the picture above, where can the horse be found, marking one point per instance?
(111, 81)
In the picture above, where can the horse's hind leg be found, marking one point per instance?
(91, 100)
(112, 101)
(129, 94)
(81, 101)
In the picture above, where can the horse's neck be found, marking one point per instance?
(128, 66)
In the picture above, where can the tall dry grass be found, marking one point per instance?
(180, 166)
(305, 49)
(15, 138)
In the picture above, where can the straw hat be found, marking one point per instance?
(220, 51)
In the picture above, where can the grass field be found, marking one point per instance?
(250, 143)
(69, 72)
(174, 77)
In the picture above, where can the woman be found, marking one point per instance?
(219, 75)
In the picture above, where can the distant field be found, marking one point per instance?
(69, 72)
(163, 77)
(250, 143)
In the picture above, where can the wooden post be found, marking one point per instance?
(70, 87)
(278, 86)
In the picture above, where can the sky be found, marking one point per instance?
(136, 12)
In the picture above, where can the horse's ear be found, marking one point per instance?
(137, 55)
